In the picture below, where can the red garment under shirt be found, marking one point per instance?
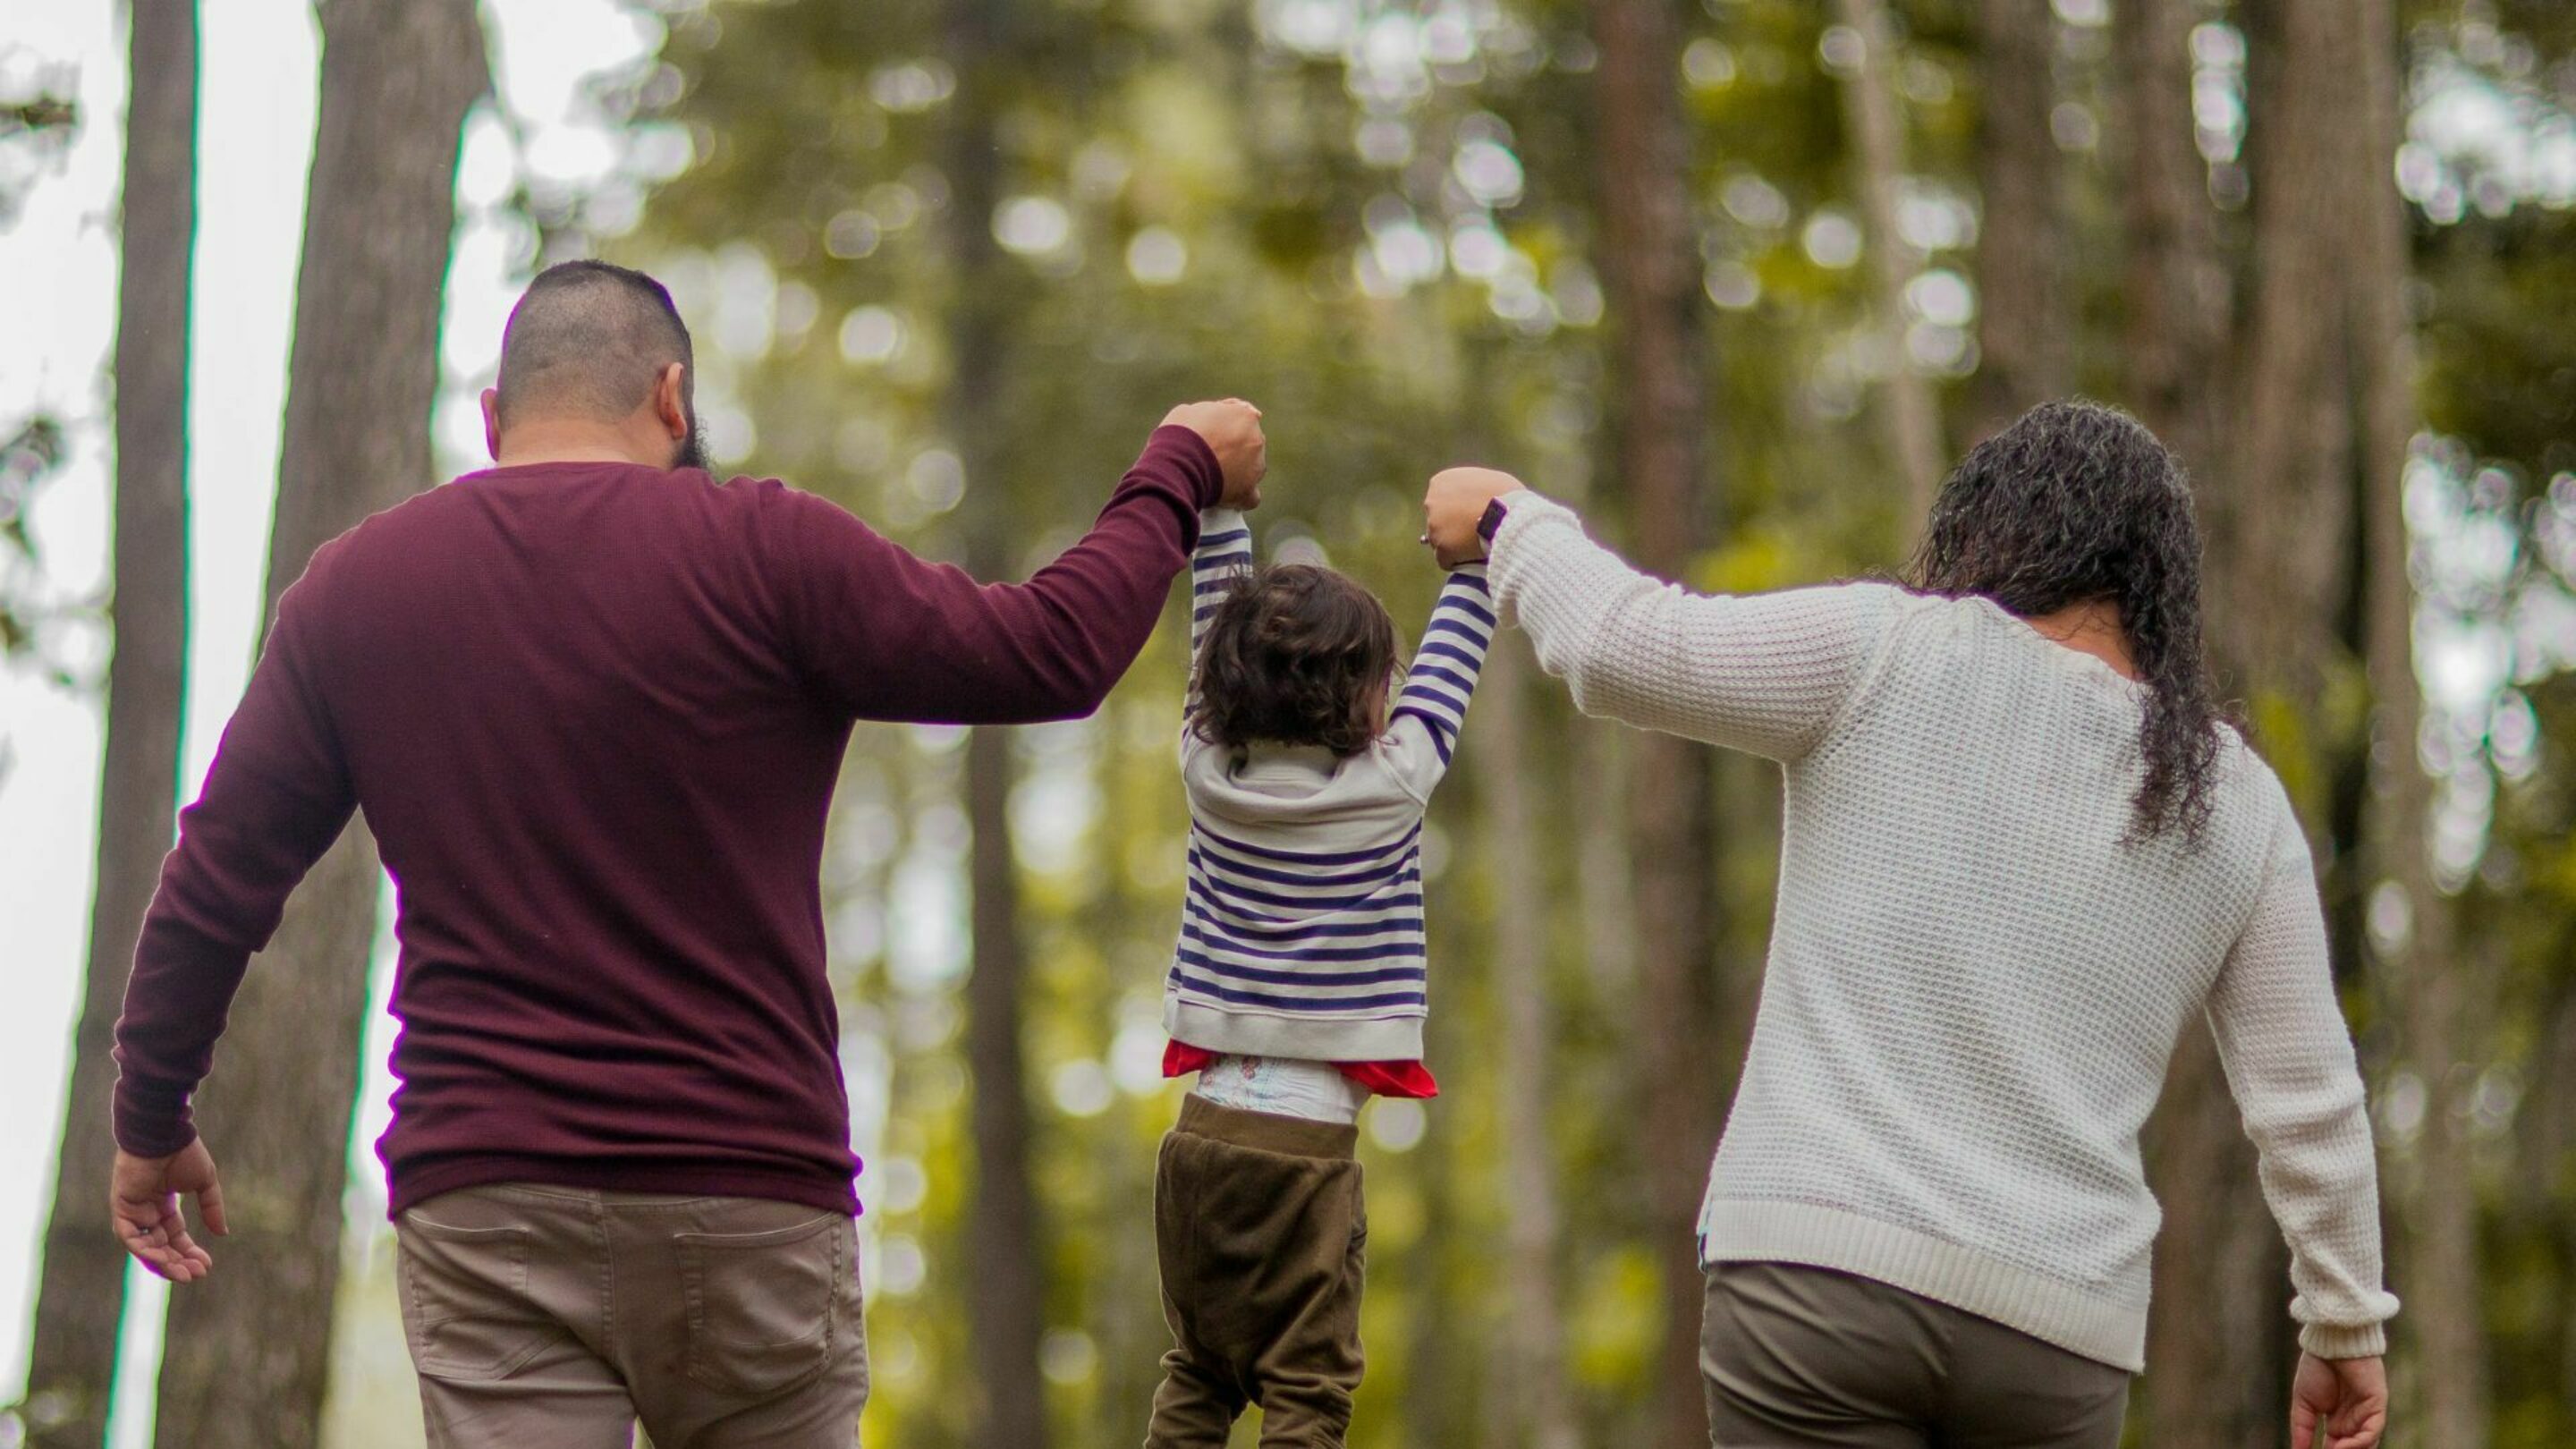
(1386, 1079)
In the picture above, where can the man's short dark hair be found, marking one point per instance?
(590, 338)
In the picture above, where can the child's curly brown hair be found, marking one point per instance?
(1296, 654)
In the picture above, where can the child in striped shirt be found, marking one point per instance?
(1298, 987)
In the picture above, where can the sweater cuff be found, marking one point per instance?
(1184, 450)
(152, 1121)
(1521, 511)
(2326, 1340)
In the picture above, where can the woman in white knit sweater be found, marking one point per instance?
(2021, 854)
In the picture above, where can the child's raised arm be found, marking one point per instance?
(1224, 551)
(1432, 706)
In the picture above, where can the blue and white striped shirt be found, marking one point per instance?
(1301, 927)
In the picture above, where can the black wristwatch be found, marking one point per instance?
(1491, 523)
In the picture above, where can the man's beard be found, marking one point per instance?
(692, 451)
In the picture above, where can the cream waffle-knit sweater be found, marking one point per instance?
(1974, 985)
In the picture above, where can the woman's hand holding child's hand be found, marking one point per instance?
(1232, 429)
(1455, 505)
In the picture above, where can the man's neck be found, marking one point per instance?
(547, 440)
(2091, 628)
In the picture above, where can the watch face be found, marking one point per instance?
(1492, 522)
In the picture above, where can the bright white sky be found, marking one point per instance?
(255, 142)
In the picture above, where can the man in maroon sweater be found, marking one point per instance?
(593, 702)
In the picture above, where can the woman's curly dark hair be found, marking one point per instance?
(1295, 654)
(2078, 502)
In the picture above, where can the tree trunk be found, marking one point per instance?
(80, 1298)
(1909, 416)
(2215, 1374)
(1651, 257)
(2282, 529)
(2177, 302)
(2544, 1135)
(1538, 1410)
(2424, 967)
(1604, 886)
(247, 1354)
(1443, 1401)
(1007, 1291)
(2278, 513)
(1008, 1287)
(2022, 334)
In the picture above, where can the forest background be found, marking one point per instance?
(1738, 278)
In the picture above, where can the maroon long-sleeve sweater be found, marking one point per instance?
(594, 713)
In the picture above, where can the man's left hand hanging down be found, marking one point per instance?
(143, 1195)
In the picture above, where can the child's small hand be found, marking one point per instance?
(1454, 506)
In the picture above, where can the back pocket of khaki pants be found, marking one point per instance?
(464, 1298)
(763, 1307)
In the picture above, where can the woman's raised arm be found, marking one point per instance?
(1764, 673)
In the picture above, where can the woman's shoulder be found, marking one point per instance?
(2252, 830)
(2247, 783)
(1947, 631)
(1858, 606)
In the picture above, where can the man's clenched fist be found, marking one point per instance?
(1232, 429)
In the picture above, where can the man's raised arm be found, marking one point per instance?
(886, 635)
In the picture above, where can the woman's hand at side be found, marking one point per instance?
(1453, 507)
(2346, 1397)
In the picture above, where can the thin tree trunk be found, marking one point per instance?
(2214, 1379)
(1604, 884)
(2210, 1379)
(1909, 416)
(247, 1356)
(2425, 970)
(2544, 1136)
(1007, 1287)
(1539, 1411)
(2022, 336)
(1651, 258)
(1443, 1402)
(2177, 287)
(2279, 516)
(80, 1298)
(2284, 526)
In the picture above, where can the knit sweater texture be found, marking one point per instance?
(1976, 976)
(1301, 919)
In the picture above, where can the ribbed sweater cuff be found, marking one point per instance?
(2100, 1326)
(2327, 1340)
(1521, 511)
(151, 1119)
(1387, 1037)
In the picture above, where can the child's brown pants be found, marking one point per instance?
(1262, 1238)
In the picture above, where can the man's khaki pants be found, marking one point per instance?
(560, 1317)
(1806, 1358)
